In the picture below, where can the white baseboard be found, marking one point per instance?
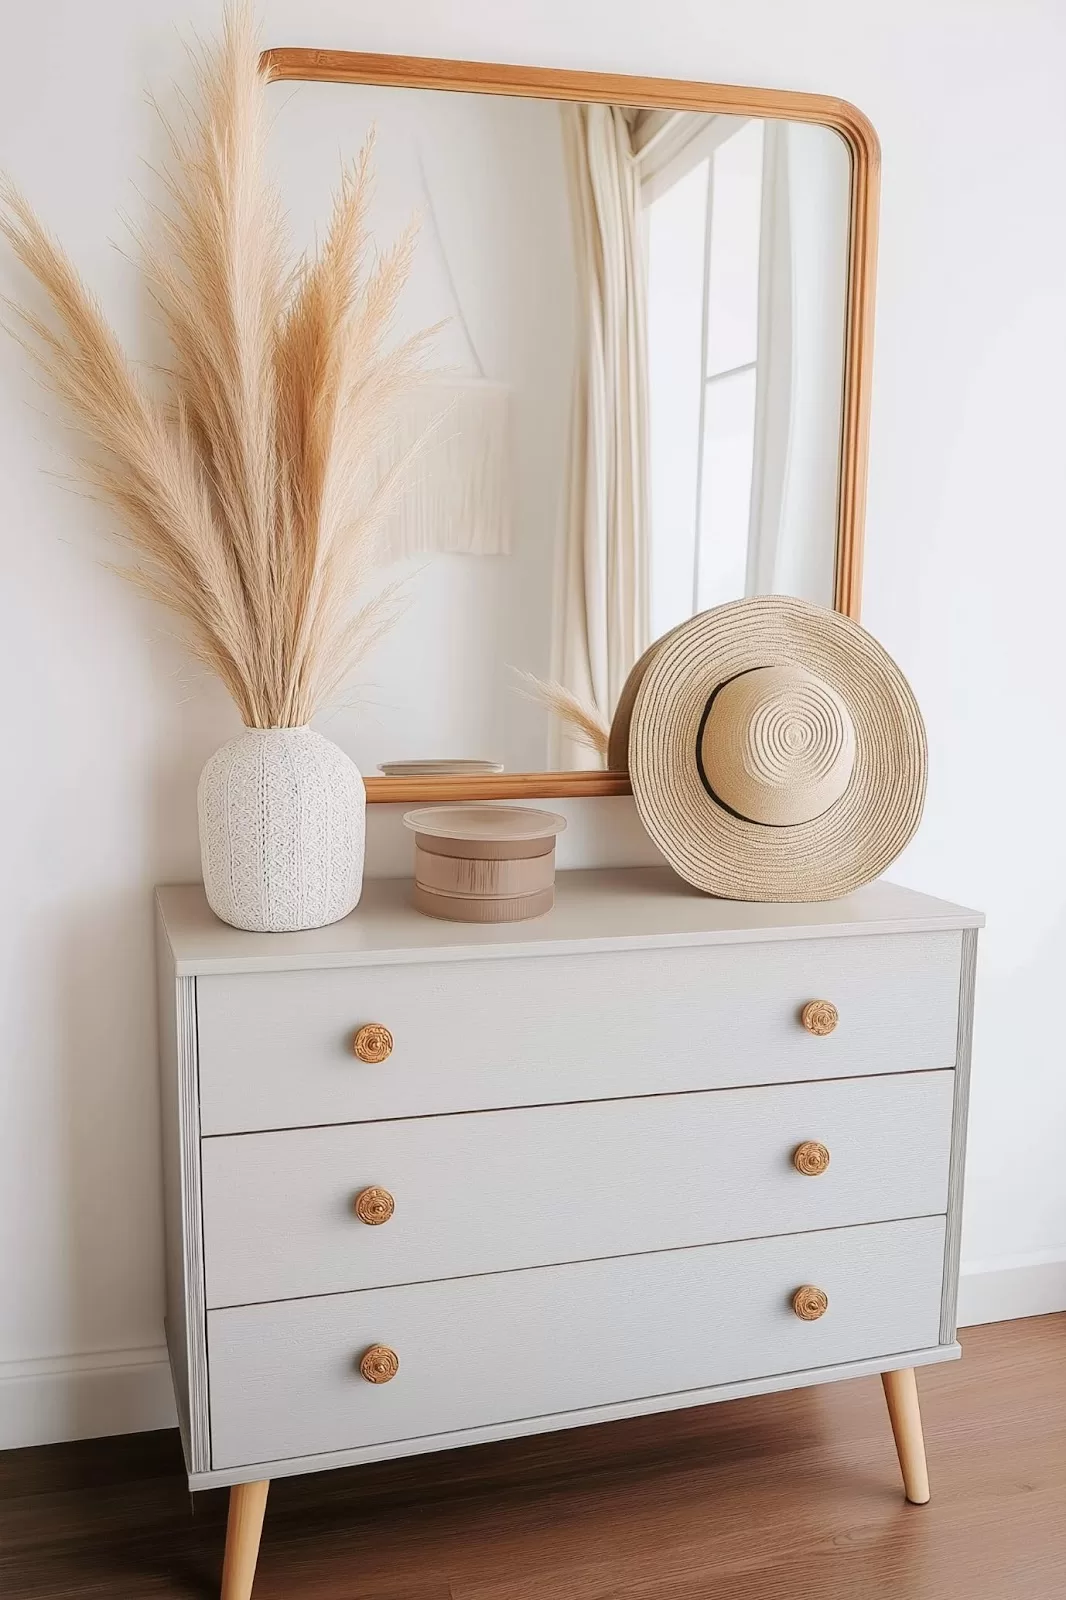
(129, 1391)
(1025, 1286)
(85, 1397)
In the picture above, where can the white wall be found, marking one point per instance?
(106, 726)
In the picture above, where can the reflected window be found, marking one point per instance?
(703, 220)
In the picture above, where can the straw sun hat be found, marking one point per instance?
(775, 751)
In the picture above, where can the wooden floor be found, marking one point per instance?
(785, 1495)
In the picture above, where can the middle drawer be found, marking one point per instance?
(490, 1191)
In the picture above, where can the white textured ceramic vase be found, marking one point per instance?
(282, 831)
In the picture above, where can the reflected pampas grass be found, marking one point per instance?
(246, 492)
(585, 724)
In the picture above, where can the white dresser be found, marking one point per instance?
(433, 1183)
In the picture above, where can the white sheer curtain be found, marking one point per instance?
(602, 616)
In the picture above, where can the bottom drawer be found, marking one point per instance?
(285, 1377)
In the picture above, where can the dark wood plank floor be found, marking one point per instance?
(755, 1500)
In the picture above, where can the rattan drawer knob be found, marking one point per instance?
(810, 1158)
(379, 1364)
(819, 1017)
(373, 1043)
(374, 1206)
(810, 1303)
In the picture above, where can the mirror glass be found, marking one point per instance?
(638, 384)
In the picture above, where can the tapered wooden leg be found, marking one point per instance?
(247, 1503)
(901, 1392)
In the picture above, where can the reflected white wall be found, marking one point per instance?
(495, 261)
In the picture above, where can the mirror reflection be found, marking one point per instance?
(637, 408)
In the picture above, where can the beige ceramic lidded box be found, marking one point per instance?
(483, 863)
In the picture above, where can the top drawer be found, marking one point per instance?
(275, 1049)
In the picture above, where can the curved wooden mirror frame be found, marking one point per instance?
(545, 83)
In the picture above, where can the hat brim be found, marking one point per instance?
(618, 738)
(849, 844)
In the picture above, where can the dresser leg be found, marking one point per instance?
(901, 1392)
(247, 1503)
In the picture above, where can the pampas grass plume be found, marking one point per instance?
(585, 723)
(246, 494)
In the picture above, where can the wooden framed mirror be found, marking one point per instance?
(660, 303)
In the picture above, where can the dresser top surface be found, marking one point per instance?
(615, 909)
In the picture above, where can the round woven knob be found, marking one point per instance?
(374, 1206)
(810, 1158)
(810, 1303)
(819, 1017)
(379, 1364)
(373, 1043)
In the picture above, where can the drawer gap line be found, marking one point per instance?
(599, 1100)
(578, 1261)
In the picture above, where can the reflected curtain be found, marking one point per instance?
(603, 609)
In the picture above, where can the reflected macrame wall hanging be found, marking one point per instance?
(457, 499)
(458, 496)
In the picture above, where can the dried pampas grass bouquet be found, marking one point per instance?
(247, 493)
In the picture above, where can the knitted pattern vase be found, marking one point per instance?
(282, 831)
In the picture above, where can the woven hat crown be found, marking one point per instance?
(777, 745)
